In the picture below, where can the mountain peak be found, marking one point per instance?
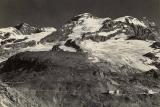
(130, 20)
(21, 25)
(84, 16)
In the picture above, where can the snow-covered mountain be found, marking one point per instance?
(94, 62)
(122, 41)
(23, 37)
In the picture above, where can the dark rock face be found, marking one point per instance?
(7, 41)
(56, 48)
(26, 29)
(143, 34)
(72, 44)
(7, 35)
(53, 37)
(151, 56)
(153, 73)
(156, 45)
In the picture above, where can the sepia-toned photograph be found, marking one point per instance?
(79, 53)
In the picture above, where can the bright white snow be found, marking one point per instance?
(121, 52)
(108, 33)
(65, 48)
(14, 34)
(39, 47)
(152, 92)
(89, 25)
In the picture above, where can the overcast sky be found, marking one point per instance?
(57, 12)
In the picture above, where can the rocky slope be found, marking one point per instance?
(94, 62)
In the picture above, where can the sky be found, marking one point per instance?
(56, 12)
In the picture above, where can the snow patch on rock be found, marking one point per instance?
(135, 21)
(108, 33)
